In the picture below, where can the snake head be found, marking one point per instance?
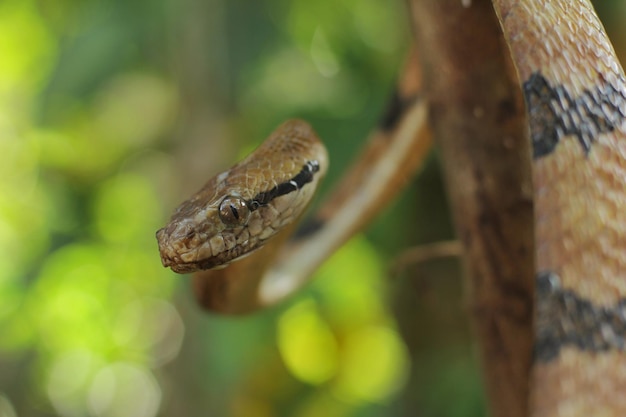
(237, 211)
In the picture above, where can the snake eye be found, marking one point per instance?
(234, 211)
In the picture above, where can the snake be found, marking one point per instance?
(526, 101)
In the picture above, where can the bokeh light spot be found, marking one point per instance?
(24, 45)
(115, 113)
(127, 209)
(67, 380)
(6, 408)
(151, 325)
(68, 304)
(124, 390)
(374, 365)
(369, 14)
(350, 283)
(322, 55)
(306, 344)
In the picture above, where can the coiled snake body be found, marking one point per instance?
(527, 102)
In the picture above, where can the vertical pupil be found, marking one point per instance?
(234, 211)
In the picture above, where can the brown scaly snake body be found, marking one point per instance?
(551, 207)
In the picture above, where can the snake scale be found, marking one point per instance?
(526, 101)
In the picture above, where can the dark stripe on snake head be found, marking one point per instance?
(554, 113)
(564, 318)
(303, 177)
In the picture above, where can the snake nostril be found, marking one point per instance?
(189, 235)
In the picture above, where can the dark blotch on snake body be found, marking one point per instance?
(396, 107)
(303, 177)
(564, 318)
(554, 113)
(308, 228)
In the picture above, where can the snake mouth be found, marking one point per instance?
(177, 254)
(178, 265)
(212, 263)
(173, 252)
(180, 268)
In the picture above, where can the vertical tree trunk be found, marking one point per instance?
(478, 120)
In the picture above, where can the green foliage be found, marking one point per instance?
(112, 112)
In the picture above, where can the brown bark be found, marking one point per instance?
(478, 121)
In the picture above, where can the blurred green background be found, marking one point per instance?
(114, 111)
